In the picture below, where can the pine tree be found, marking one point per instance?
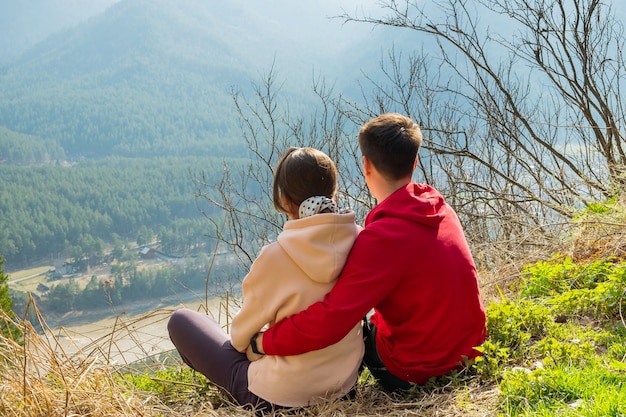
(6, 303)
(7, 327)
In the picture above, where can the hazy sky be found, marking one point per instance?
(32, 20)
(23, 23)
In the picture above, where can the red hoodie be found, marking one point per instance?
(411, 264)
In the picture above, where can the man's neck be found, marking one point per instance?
(387, 188)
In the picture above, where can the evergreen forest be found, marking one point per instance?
(56, 210)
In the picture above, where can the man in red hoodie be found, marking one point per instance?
(411, 264)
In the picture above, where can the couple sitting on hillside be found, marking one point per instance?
(314, 288)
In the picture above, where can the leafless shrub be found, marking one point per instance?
(523, 123)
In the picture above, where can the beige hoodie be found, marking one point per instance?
(288, 276)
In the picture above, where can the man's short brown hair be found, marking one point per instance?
(391, 142)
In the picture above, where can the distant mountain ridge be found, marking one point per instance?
(155, 77)
(136, 33)
(104, 116)
(23, 24)
(104, 120)
(134, 80)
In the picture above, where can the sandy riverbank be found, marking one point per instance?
(126, 338)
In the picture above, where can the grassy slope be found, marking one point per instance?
(557, 346)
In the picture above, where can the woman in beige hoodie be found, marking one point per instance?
(288, 275)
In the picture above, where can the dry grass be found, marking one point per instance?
(599, 238)
(371, 401)
(39, 379)
(44, 375)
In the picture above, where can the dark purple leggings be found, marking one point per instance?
(205, 347)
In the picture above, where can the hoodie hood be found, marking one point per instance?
(419, 203)
(320, 244)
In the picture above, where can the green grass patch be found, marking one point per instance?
(565, 390)
(23, 273)
(172, 383)
(559, 346)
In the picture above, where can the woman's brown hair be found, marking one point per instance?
(302, 173)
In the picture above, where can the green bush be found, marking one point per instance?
(605, 298)
(513, 324)
(560, 348)
(547, 278)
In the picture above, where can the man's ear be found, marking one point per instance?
(415, 164)
(367, 165)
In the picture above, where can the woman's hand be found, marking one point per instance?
(251, 355)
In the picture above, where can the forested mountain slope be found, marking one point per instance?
(149, 83)
(154, 77)
(144, 78)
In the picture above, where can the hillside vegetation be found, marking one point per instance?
(104, 122)
(556, 346)
(57, 211)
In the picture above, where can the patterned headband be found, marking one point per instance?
(317, 204)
